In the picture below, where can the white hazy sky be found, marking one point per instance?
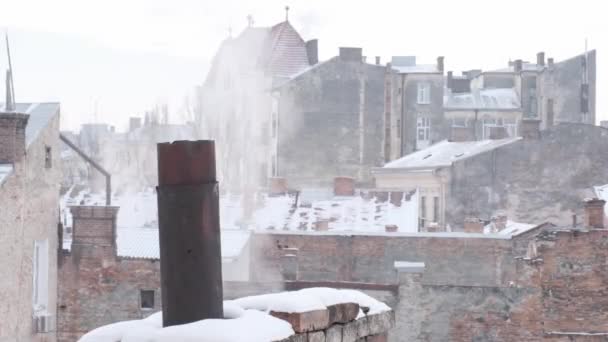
(111, 59)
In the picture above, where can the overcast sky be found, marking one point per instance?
(108, 60)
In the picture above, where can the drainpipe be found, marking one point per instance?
(402, 114)
(94, 164)
(189, 232)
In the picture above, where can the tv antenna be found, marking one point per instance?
(10, 87)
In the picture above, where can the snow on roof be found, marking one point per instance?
(511, 229)
(143, 243)
(246, 319)
(40, 114)
(137, 222)
(362, 213)
(503, 98)
(409, 266)
(416, 69)
(443, 154)
(602, 193)
(525, 67)
(287, 51)
(5, 170)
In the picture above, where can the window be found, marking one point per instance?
(423, 132)
(510, 126)
(435, 209)
(459, 122)
(398, 128)
(422, 211)
(146, 299)
(550, 112)
(48, 157)
(424, 93)
(40, 274)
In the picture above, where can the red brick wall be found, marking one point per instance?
(96, 291)
(574, 279)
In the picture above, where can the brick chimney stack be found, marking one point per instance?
(529, 128)
(440, 64)
(94, 231)
(540, 58)
(278, 186)
(344, 186)
(473, 225)
(518, 65)
(12, 137)
(450, 79)
(594, 213)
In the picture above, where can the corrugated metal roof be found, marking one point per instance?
(444, 153)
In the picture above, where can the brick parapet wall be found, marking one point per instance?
(94, 225)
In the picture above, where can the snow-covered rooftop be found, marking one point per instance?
(511, 229)
(416, 69)
(245, 320)
(503, 98)
(443, 154)
(365, 212)
(143, 243)
(137, 222)
(525, 67)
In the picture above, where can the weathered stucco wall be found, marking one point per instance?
(29, 200)
(531, 180)
(562, 84)
(331, 123)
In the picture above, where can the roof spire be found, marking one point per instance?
(250, 20)
(10, 90)
(286, 13)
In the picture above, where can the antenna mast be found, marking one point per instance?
(10, 87)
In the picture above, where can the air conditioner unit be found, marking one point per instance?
(44, 323)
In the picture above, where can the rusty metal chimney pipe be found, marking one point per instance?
(189, 232)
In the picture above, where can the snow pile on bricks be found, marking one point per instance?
(309, 315)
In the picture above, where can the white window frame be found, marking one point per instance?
(510, 126)
(424, 93)
(40, 277)
(423, 127)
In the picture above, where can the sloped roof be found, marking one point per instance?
(486, 99)
(444, 154)
(286, 51)
(40, 114)
(278, 50)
